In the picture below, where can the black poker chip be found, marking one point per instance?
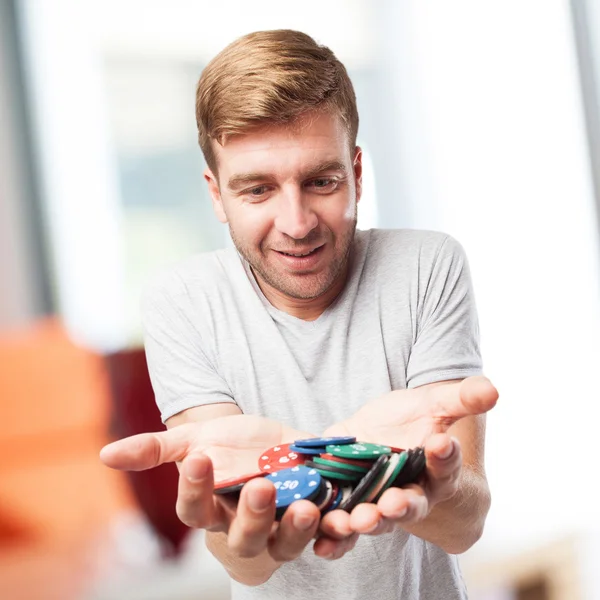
(412, 469)
(364, 484)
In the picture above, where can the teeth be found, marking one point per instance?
(297, 255)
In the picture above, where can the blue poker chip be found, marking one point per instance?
(322, 442)
(313, 451)
(295, 483)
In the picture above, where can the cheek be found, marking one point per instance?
(340, 213)
(251, 224)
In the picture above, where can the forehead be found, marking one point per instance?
(317, 137)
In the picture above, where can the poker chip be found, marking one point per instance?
(295, 483)
(278, 458)
(322, 442)
(234, 484)
(347, 465)
(335, 492)
(365, 483)
(363, 464)
(358, 450)
(306, 450)
(333, 473)
(400, 464)
(413, 469)
(338, 498)
(387, 476)
(327, 496)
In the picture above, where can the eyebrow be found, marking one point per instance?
(237, 181)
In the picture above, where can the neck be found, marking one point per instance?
(307, 309)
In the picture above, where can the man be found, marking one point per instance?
(312, 328)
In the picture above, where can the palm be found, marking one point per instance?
(235, 443)
(406, 418)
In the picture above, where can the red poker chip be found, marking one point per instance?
(224, 483)
(278, 458)
(331, 498)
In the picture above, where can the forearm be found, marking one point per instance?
(249, 571)
(456, 524)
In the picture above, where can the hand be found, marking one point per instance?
(409, 418)
(219, 449)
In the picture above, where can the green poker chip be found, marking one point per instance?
(359, 450)
(334, 472)
(331, 463)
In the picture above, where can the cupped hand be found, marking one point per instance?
(406, 419)
(216, 450)
(411, 503)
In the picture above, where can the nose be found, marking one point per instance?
(295, 216)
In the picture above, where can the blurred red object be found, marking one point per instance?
(135, 411)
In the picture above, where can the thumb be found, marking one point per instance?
(473, 396)
(147, 450)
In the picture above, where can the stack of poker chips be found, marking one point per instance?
(334, 473)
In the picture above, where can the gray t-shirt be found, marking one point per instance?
(405, 318)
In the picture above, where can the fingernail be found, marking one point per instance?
(259, 502)
(400, 514)
(195, 469)
(303, 522)
(372, 529)
(446, 452)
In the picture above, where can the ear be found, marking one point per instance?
(215, 195)
(357, 166)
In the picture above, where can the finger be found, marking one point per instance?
(298, 526)
(331, 549)
(444, 465)
(250, 529)
(195, 505)
(443, 456)
(366, 519)
(404, 505)
(336, 525)
(473, 396)
(147, 450)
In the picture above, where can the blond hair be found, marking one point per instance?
(270, 77)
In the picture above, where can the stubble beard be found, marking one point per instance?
(306, 286)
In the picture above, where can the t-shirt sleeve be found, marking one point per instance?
(181, 372)
(447, 339)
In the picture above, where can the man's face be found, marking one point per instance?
(289, 195)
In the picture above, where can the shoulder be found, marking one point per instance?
(193, 277)
(410, 245)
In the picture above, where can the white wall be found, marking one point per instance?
(490, 98)
(77, 168)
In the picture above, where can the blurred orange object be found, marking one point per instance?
(56, 404)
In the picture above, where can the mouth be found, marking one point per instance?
(299, 253)
(302, 259)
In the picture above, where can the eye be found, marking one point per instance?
(258, 190)
(256, 193)
(323, 184)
